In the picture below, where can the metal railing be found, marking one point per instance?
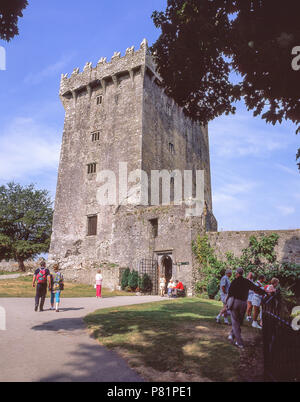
(281, 344)
(149, 266)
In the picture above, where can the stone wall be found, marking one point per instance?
(132, 240)
(12, 266)
(288, 248)
(111, 274)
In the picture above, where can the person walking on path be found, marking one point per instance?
(250, 276)
(58, 286)
(40, 279)
(99, 280)
(224, 287)
(256, 301)
(237, 303)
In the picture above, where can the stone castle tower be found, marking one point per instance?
(118, 113)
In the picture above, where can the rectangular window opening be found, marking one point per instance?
(92, 225)
(92, 167)
(171, 148)
(96, 136)
(154, 227)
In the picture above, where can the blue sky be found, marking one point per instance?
(255, 180)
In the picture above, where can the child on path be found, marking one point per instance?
(58, 286)
(162, 286)
(99, 280)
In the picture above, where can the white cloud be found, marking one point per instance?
(293, 172)
(239, 136)
(286, 210)
(232, 194)
(28, 148)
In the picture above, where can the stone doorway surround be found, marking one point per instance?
(166, 264)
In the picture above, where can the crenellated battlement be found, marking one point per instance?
(106, 71)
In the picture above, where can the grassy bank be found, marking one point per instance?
(22, 287)
(173, 340)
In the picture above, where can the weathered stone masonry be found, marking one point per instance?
(118, 112)
(287, 250)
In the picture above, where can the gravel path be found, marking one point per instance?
(49, 346)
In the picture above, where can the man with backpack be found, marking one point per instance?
(41, 278)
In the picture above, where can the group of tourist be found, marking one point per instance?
(175, 288)
(243, 296)
(43, 280)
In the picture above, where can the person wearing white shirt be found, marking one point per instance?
(99, 279)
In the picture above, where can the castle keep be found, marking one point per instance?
(117, 115)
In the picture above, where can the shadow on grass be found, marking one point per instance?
(171, 336)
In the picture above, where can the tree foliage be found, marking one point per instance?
(259, 258)
(25, 222)
(10, 12)
(203, 41)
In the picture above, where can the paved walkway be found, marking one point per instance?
(50, 346)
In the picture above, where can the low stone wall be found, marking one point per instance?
(110, 272)
(12, 266)
(288, 248)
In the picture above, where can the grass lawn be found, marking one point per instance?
(174, 340)
(11, 273)
(22, 287)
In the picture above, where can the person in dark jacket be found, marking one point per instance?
(238, 295)
(41, 278)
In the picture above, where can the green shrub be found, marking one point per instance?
(133, 280)
(212, 288)
(124, 279)
(145, 283)
(210, 267)
(259, 257)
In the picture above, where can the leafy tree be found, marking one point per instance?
(25, 222)
(203, 41)
(210, 267)
(10, 12)
(259, 252)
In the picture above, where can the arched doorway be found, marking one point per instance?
(167, 268)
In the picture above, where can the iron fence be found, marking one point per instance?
(281, 344)
(149, 266)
